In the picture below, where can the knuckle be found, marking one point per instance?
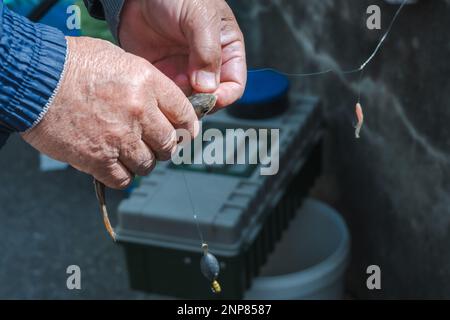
(104, 160)
(210, 55)
(105, 156)
(130, 140)
(232, 31)
(136, 107)
(146, 166)
(112, 138)
(183, 114)
(142, 72)
(122, 182)
(166, 147)
(119, 179)
(147, 73)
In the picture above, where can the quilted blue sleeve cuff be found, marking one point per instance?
(32, 61)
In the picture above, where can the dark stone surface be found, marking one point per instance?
(392, 185)
(50, 220)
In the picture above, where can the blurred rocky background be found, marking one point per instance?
(393, 185)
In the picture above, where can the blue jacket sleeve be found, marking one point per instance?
(32, 60)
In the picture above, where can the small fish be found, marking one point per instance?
(360, 118)
(100, 193)
(202, 103)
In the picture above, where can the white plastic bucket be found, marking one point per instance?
(310, 260)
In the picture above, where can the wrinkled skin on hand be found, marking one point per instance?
(196, 43)
(114, 114)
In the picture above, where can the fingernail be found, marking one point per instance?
(206, 80)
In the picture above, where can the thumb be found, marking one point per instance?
(202, 29)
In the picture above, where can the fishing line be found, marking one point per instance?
(200, 234)
(209, 265)
(360, 69)
(360, 85)
(351, 71)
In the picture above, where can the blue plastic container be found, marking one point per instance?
(265, 96)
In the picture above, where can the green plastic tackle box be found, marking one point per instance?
(241, 213)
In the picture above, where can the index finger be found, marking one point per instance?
(174, 105)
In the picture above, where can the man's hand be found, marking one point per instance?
(114, 114)
(196, 43)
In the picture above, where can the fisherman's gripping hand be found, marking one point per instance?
(196, 43)
(113, 115)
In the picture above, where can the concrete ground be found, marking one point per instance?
(48, 221)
